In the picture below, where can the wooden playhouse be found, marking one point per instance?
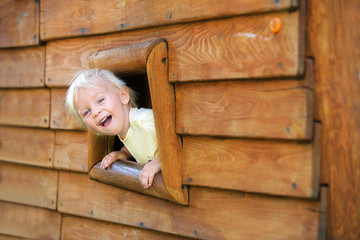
(256, 106)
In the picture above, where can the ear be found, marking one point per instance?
(124, 96)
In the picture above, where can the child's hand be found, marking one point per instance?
(148, 173)
(113, 157)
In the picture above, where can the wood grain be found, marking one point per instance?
(60, 21)
(74, 228)
(25, 107)
(276, 109)
(245, 48)
(60, 119)
(211, 214)
(272, 167)
(29, 222)
(22, 67)
(124, 60)
(6, 237)
(19, 23)
(333, 43)
(163, 101)
(98, 147)
(27, 146)
(126, 174)
(240, 47)
(71, 151)
(28, 185)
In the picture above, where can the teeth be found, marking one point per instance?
(104, 119)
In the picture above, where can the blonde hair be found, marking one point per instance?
(87, 79)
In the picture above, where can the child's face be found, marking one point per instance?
(104, 109)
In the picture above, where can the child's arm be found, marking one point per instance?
(149, 171)
(112, 157)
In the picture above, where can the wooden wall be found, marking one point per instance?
(267, 113)
(332, 41)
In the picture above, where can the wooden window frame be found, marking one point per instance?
(150, 57)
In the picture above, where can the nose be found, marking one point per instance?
(96, 112)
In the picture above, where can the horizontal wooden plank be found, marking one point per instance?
(59, 117)
(71, 151)
(27, 146)
(59, 21)
(240, 47)
(7, 237)
(74, 228)
(25, 107)
(28, 185)
(212, 214)
(19, 21)
(277, 109)
(22, 67)
(244, 48)
(284, 168)
(237, 109)
(29, 222)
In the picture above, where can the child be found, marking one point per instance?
(103, 103)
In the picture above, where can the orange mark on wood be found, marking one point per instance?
(275, 25)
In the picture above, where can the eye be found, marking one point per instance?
(85, 113)
(101, 100)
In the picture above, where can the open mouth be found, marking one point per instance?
(106, 121)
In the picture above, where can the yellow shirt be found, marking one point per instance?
(141, 139)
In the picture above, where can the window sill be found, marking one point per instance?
(125, 174)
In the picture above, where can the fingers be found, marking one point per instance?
(107, 161)
(151, 179)
(147, 177)
(144, 178)
(148, 173)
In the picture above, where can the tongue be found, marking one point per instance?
(107, 121)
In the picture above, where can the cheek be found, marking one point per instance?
(88, 123)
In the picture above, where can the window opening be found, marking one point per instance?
(144, 67)
(140, 85)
